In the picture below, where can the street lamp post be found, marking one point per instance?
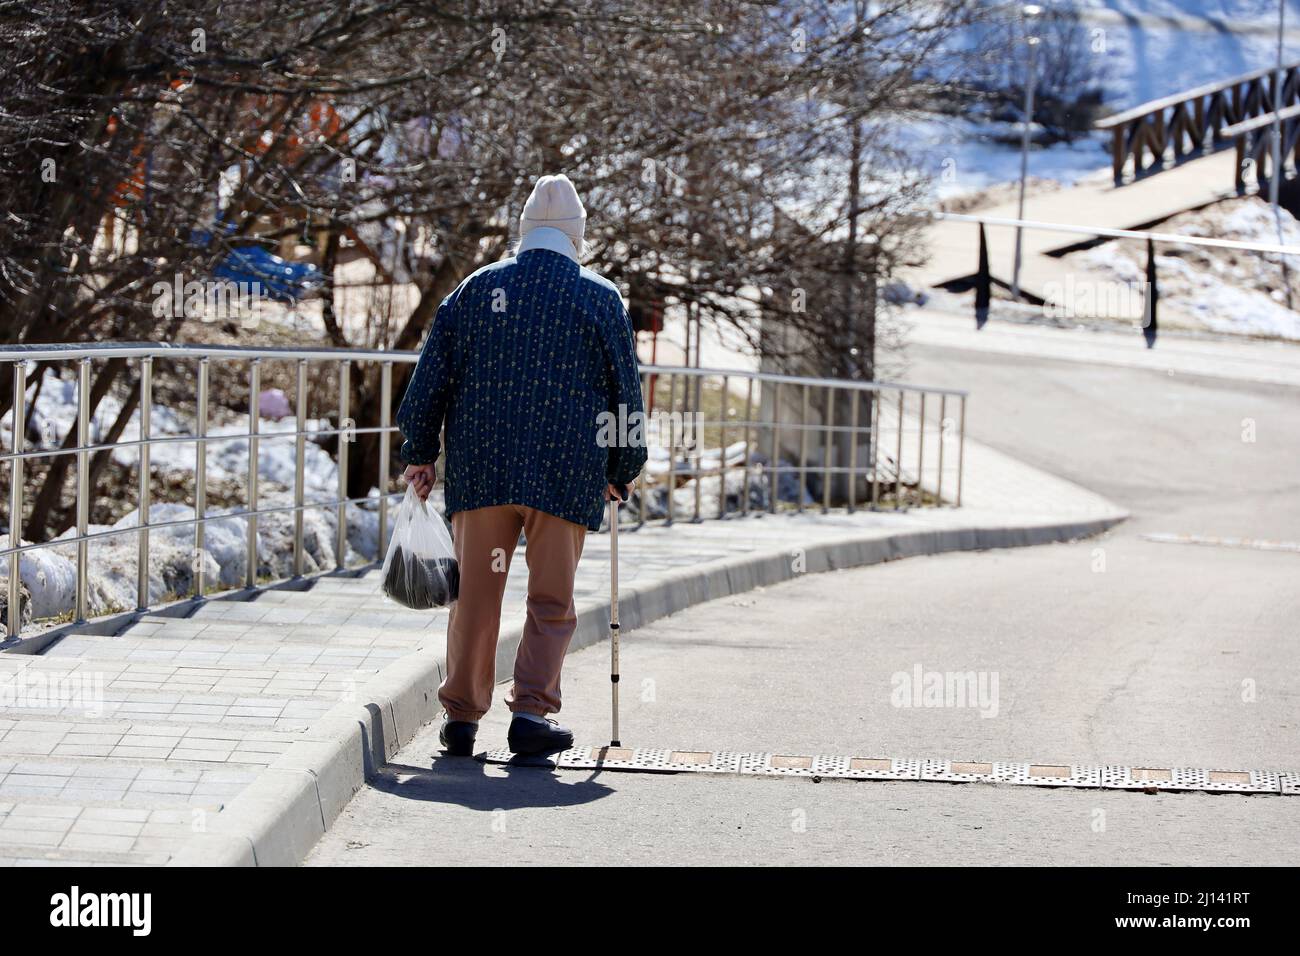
(1030, 11)
(1275, 173)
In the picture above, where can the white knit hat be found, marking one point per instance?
(555, 203)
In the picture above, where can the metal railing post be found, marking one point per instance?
(749, 415)
(145, 493)
(83, 487)
(345, 437)
(697, 433)
(385, 423)
(17, 446)
(898, 457)
(943, 438)
(672, 444)
(774, 478)
(254, 449)
(853, 451)
(697, 411)
(300, 454)
(201, 479)
(647, 403)
(722, 452)
(920, 457)
(875, 448)
(828, 444)
(961, 450)
(803, 450)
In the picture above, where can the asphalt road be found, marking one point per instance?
(1112, 650)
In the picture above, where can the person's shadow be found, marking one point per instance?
(465, 782)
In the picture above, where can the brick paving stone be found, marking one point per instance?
(29, 837)
(83, 750)
(120, 814)
(97, 841)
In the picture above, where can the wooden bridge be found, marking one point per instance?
(1198, 121)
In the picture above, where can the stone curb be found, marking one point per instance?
(278, 819)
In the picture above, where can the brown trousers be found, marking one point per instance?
(485, 540)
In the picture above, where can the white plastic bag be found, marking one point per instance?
(420, 569)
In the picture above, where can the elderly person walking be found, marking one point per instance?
(526, 364)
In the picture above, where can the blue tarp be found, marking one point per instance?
(278, 279)
(267, 274)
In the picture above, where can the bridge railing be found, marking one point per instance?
(1192, 122)
(881, 445)
(1254, 140)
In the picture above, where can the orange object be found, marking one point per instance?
(131, 190)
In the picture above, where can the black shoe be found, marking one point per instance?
(529, 737)
(457, 737)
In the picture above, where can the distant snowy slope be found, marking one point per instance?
(1149, 49)
(1201, 41)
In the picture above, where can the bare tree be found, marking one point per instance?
(729, 152)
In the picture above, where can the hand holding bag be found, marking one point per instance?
(420, 569)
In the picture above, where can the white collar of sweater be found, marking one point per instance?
(546, 237)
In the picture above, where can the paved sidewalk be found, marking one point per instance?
(241, 730)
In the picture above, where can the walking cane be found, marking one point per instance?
(613, 614)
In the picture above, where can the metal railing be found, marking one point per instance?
(862, 443)
(878, 458)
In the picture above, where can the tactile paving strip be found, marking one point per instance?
(1109, 777)
(1191, 778)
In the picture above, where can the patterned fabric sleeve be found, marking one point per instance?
(626, 458)
(425, 403)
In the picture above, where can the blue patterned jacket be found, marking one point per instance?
(531, 365)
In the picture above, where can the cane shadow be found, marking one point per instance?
(464, 782)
